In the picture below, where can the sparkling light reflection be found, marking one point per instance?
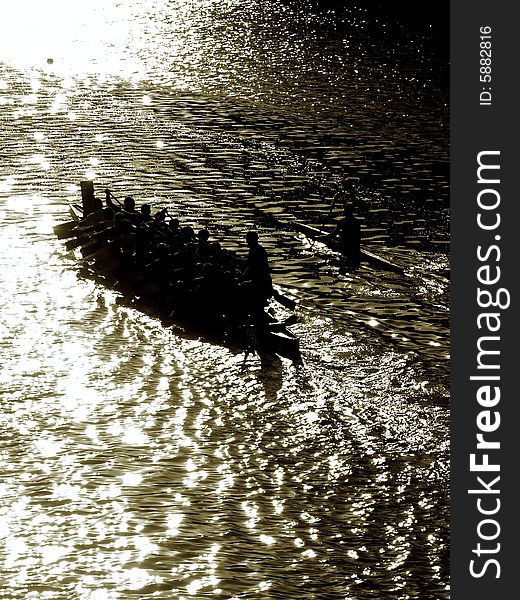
(76, 39)
(69, 40)
(126, 450)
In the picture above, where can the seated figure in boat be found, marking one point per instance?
(203, 250)
(174, 228)
(348, 234)
(145, 213)
(97, 221)
(188, 237)
(96, 214)
(128, 205)
(229, 262)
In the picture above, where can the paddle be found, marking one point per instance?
(280, 326)
(63, 230)
(65, 234)
(109, 196)
(341, 194)
(77, 242)
(284, 300)
(332, 204)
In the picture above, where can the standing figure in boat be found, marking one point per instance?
(257, 273)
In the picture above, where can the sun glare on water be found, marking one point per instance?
(69, 37)
(109, 39)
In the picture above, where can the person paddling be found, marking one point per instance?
(348, 234)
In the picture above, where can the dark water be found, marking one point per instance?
(139, 461)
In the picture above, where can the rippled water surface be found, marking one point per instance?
(140, 461)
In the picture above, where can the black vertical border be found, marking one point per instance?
(476, 128)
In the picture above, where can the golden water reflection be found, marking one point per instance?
(138, 461)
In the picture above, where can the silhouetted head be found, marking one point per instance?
(208, 270)
(129, 203)
(187, 233)
(146, 210)
(203, 235)
(108, 213)
(251, 238)
(161, 250)
(348, 211)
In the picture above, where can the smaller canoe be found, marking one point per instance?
(366, 255)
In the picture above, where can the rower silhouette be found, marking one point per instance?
(348, 235)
